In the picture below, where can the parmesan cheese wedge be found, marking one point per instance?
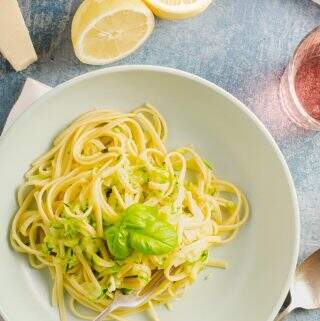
(15, 42)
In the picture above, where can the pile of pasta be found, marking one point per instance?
(98, 167)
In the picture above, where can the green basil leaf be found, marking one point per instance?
(158, 237)
(141, 229)
(137, 216)
(117, 241)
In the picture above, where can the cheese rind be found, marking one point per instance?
(15, 42)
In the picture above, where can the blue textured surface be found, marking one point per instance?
(241, 45)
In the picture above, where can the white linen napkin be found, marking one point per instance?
(31, 91)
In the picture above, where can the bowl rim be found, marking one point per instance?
(176, 72)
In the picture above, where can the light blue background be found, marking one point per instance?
(241, 45)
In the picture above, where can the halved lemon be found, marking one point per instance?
(104, 31)
(177, 9)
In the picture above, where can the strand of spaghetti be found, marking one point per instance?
(151, 131)
(217, 263)
(59, 291)
(86, 267)
(153, 312)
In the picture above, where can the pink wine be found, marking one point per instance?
(307, 85)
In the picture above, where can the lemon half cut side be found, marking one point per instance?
(105, 31)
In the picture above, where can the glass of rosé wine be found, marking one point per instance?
(300, 83)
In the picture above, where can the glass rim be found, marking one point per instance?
(291, 78)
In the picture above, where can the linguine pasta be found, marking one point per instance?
(108, 206)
